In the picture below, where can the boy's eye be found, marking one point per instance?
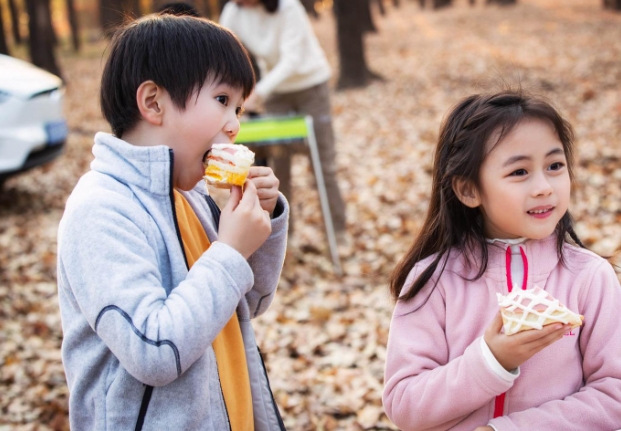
(556, 166)
(223, 99)
(518, 173)
(239, 111)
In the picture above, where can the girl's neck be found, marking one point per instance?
(509, 241)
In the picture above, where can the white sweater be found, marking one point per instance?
(284, 44)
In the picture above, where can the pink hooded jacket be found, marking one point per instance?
(436, 376)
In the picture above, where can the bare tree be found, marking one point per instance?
(4, 49)
(350, 31)
(438, 4)
(73, 24)
(14, 13)
(42, 37)
(112, 13)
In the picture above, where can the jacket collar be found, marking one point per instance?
(542, 256)
(148, 168)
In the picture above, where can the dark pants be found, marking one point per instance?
(315, 102)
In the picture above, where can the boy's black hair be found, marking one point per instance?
(462, 147)
(178, 8)
(178, 53)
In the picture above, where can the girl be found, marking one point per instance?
(498, 220)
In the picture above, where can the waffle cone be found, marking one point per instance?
(535, 308)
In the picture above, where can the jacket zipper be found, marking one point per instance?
(146, 398)
(269, 387)
(499, 402)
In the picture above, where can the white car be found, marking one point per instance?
(33, 129)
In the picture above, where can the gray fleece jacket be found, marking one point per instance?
(138, 325)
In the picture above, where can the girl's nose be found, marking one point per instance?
(542, 186)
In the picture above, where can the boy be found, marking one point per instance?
(155, 297)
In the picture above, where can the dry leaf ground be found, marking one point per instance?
(324, 337)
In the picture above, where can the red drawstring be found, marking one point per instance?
(499, 403)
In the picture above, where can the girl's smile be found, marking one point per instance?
(524, 183)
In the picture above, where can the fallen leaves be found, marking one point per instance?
(324, 338)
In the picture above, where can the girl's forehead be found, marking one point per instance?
(521, 133)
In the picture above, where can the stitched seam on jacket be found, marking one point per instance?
(141, 335)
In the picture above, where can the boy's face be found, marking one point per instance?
(212, 117)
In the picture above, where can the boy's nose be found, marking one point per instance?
(232, 129)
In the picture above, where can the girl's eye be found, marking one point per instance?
(239, 111)
(518, 173)
(223, 99)
(556, 166)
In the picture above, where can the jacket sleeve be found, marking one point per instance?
(295, 27)
(111, 269)
(267, 261)
(595, 406)
(423, 390)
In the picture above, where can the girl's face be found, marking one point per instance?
(524, 183)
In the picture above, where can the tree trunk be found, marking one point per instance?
(113, 13)
(309, 5)
(367, 18)
(438, 4)
(4, 48)
(612, 4)
(14, 12)
(73, 24)
(380, 6)
(350, 29)
(40, 29)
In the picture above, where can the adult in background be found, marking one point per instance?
(294, 78)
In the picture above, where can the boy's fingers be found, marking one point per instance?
(234, 199)
(250, 194)
(259, 171)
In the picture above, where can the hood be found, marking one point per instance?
(148, 168)
(24, 80)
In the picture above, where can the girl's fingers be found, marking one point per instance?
(496, 324)
(551, 334)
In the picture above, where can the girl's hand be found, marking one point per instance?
(511, 351)
(486, 428)
(267, 186)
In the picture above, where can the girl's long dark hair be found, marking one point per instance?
(461, 149)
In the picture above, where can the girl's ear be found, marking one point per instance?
(466, 192)
(151, 99)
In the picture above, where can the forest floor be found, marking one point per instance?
(324, 337)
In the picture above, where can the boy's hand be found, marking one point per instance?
(244, 225)
(511, 351)
(267, 186)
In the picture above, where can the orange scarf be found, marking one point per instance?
(228, 344)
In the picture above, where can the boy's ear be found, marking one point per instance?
(466, 192)
(150, 99)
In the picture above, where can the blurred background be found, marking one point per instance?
(398, 66)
